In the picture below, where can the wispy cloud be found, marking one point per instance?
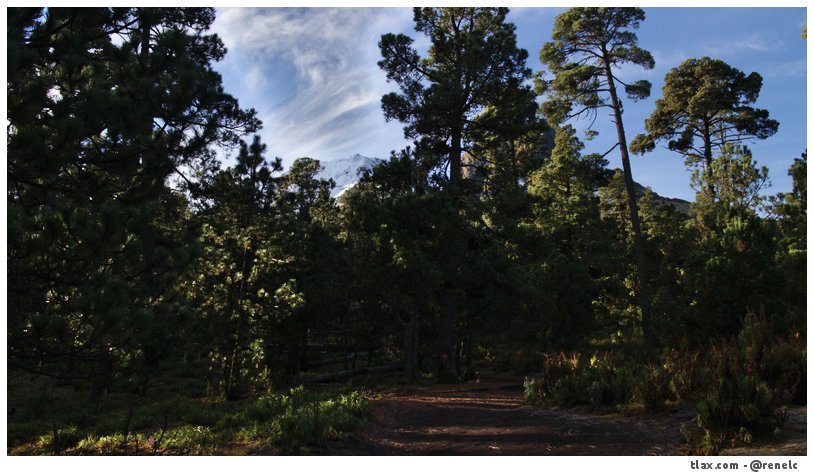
(666, 60)
(628, 72)
(794, 68)
(255, 78)
(320, 65)
(756, 42)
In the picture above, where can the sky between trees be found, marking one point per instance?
(312, 76)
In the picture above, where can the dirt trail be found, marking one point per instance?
(490, 418)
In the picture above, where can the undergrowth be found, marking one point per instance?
(738, 386)
(181, 425)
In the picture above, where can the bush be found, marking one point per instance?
(685, 375)
(190, 440)
(572, 380)
(555, 368)
(290, 422)
(736, 384)
(783, 366)
(287, 422)
(737, 403)
(67, 438)
(746, 380)
(114, 444)
(653, 388)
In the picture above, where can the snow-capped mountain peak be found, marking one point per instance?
(346, 172)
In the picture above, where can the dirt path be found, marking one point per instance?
(490, 418)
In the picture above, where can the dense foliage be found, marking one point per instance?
(493, 241)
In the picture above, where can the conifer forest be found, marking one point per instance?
(173, 288)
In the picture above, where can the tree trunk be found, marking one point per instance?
(147, 158)
(642, 290)
(708, 161)
(231, 376)
(411, 340)
(448, 372)
(104, 375)
(302, 353)
(469, 342)
(455, 163)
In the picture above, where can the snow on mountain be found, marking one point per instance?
(346, 172)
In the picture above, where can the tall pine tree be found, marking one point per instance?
(105, 104)
(589, 45)
(705, 104)
(473, 65)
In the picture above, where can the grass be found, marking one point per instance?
(177, 417)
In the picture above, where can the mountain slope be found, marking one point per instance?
(346, 172)
(679, 204)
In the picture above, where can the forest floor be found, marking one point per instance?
(490, 418)
(486, 417)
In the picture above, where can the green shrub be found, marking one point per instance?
(190, 440)
(610, 385)
(780, 362)
(653, 388)
(685, 375)
(783, 366)
(572, 380)
(737, 385)
(288, 422)
(728, 421)
(114, 444)
(195, 412)
(291, 422)
(312, 423)
(737, 403)
(68, 438)
(554, 381)
(265, 408)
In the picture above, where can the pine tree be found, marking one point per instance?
(734, 269)
(308, 234)
(392, 222)
(790, 211)
(790, 207)
(705, 104)
(567, 213)
(739, 183)
(589, 44)
(237, 282)
(473, 65)
(566, 191)
(670, 243)
(96, 128)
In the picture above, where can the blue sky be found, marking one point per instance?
(311, 74)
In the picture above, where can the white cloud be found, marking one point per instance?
(320, 67)
(254, 79)
(794, 68)
(664, 62)
(668, 60)
(752, 43)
